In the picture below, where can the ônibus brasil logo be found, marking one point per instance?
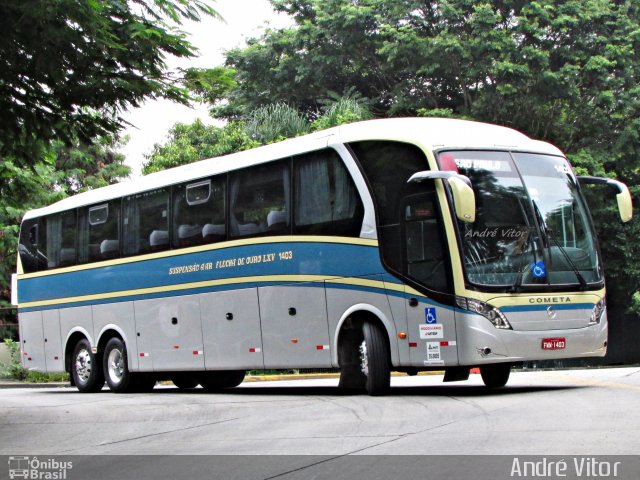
(38, 469)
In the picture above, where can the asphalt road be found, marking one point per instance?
(572, 412)
(295, 430)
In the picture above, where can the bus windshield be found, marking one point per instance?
(532, 228)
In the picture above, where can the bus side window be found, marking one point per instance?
(146, 222)
(326, 201)
(259, 200)
(199, 212)
(61, 239)
(31, 257)
(99, 232)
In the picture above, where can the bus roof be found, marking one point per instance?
(429, 133)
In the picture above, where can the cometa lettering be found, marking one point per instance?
(550, 300)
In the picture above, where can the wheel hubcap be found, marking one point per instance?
(364, 360)
(116, 366)
(83, 365)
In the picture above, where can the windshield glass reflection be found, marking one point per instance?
(531, 227)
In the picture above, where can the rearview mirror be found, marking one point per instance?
(464, 200)
(623, 197)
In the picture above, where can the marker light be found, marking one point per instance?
(491, 313)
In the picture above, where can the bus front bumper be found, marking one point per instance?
(479, 342)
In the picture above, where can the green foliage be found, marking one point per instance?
(70, 68)
(272, 123)
(15, 370)
(61, 171)
(275, 122)
(566, 72)
(190, 143)
(210, 85)
(635, 303)
(351, 107)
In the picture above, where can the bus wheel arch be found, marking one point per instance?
(364, 353)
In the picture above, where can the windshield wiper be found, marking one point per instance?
(583, 282)
(546, 231)
(515, 288)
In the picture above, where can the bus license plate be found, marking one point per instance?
(553, 343)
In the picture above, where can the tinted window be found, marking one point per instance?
(99, 232)
(388, 166)
(426, 260)
(326, 201)
(31, 257)
(199, 212)
(60, 247)
(259, 200)
(146, 222)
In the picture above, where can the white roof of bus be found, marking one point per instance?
(429, 133)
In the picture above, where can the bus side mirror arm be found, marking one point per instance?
(623, 196)
(463, 197)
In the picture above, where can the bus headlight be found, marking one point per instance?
(491, 313)
(597, 312)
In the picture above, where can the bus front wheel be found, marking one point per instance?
(85, 368)
(496, 375)
(375, 362)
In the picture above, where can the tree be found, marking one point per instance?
(562, 71)
(189, 143)
(210, 85)
(67, 71)
(271, 123)
(60, 172)
(68, 68)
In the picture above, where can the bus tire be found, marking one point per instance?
(214, 381)
(116, 368)
(375, 361)
(86, 372)
(185, 382)
(495, 375)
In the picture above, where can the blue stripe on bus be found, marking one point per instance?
(543, 307)
(424, 301)
(324, 259)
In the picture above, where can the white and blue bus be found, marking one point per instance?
(387, 245)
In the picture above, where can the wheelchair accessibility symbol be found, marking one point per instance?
(538, 270)
(430, 315)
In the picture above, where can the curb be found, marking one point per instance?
(17, 384)
(6, 384)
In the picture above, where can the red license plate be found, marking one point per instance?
(553, 343)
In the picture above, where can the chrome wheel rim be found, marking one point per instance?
(115, 363)
(364, 359)
(83, 365)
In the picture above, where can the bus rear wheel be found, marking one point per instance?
(214, 381)
(85, 369)
(184, 382)
(496, 375)
(116, 370)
